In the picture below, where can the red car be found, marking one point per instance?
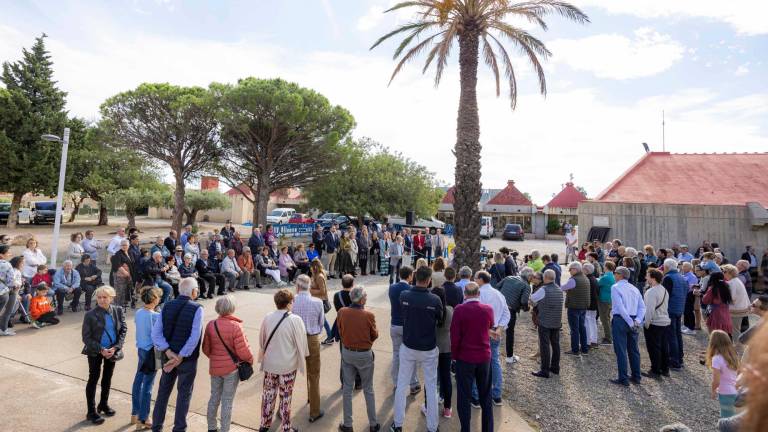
(300, 218)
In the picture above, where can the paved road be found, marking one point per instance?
(48, 366)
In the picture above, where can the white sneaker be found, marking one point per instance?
(8, 332)
(687, 331)
(512, 360)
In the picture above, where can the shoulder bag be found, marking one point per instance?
(119, 354)
(269, 339)
(244, 369)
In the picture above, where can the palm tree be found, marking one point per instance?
(475, 24)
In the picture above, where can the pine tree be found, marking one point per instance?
(31, 105)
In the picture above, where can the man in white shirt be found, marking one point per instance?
(231, 270)
(570, 246)
(501, 316)
(628, 312)
(114, 244)
(91, 246)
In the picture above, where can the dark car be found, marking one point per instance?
(513, 232)
(42, 212)
(5, 212)
(328, 219)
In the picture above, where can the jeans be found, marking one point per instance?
(577, 324)
(223, 390)
(185, 372)
(469, 375)
(510, 342)
(549, 345)
(605, 319)
(166, 287)
(141, 394)
(675, 341)
(658, 350)
(727, 405)
(394, 270)
(625, 344)
(396, 333)
(7, 305)
(496, 380)
(358, 363)
(409, 361)
(328, 330)
(95, 364)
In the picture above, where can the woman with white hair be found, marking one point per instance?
(120, 274)
(226, 345)
(33, 257)
(740, 306)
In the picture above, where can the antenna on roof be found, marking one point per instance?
(663, 138)
(647, 149)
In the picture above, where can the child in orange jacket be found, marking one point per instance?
(40, 308)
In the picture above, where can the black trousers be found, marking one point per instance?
(185, 374)
(363, 263)
(48, 318)
(98, 366)
(658, 348)
(207, 284)
(510, 343)
(689, 319)
(89, 289)
(549, 344)
(466, 375)
(60, 294)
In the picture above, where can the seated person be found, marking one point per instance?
(312, 253)
(301, 259)
(90, 278)
(43, 276)
(40, 309)
(66, 281)
(267, 266)
(172, 275)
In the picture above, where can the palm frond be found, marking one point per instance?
(521, 37)
(423, 3)
(490, 60)
(401, 29)
(545, 7)
(412, 53)
(530, 50)
(408, 40)
(444, 51)
(509, 71)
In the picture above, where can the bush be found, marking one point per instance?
(553, 226)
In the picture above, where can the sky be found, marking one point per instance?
(703, 63)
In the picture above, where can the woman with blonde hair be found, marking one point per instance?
(318, 288)
(740, 306)
(141, 393)
(33, 257)
(724, 362)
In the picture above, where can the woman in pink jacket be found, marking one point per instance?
(222, 336)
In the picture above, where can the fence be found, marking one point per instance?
(303, 230)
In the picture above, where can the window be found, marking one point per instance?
(45, 206)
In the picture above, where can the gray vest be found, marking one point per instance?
(578, 298)
(551, 307)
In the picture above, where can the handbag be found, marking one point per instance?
(326, 306)
(149, 365)
(244, 369)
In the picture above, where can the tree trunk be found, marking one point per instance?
(178, 202)
(103, 214)
(262, 201)
(13, 217)
(191, 217)
(131, 215)
(75, 208)
(467, 173)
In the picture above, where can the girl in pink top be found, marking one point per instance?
(722, 358)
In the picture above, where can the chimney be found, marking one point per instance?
(510, 182)
(208, 183)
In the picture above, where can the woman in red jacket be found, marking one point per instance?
(223, 336)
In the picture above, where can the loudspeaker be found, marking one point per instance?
(409, 217)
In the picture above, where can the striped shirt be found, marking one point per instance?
(310, 310)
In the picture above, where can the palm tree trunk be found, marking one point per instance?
(467, 173)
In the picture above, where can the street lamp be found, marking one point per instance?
(60, 195)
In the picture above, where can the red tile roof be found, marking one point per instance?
(510, 195)
(569, 197)
(670, 178)
(448, 198)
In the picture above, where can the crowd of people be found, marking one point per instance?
(448, 322)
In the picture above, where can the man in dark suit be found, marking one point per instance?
(206, 275)
(171, 241)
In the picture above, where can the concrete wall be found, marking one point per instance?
(663, 224)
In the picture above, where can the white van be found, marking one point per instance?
(280, 215)
(486, 227)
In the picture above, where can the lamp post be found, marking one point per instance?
(60, 194)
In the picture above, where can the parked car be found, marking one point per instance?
(5, 212)
(280, 215)
(486, 227)
(513, 232)
(328, 219)
(301, 218)
(42, 212)
(432, 224)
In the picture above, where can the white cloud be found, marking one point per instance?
(594, 139)
(371, 19)
(742, 70)
(745, 16)
(618, 57)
